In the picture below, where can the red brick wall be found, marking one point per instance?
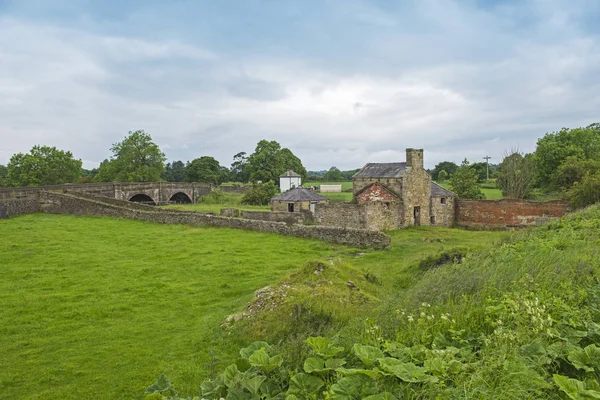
(375, 192)
(507, 212)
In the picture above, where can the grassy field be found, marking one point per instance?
(100, 307)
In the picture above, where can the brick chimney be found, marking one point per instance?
(414, 158)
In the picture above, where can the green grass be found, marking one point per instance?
(492, 194)
(217, 200)
(100, 307)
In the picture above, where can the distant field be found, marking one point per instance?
(489, 190)
(98, 308)
(343, 197)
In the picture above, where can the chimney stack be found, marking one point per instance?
(414, 158)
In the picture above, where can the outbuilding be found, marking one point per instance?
(297, 200)
(289, 180)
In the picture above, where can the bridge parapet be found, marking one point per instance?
(158, 192)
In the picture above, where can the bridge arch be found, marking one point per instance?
(180, 198)
(143, 198)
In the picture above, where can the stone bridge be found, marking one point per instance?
(156, 193)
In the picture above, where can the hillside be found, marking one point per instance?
(521, 320)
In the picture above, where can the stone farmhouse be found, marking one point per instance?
(405, 188)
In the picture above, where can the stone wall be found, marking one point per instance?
(443, 212)
(13, 207)
(277, 216)
(235, 189)
(507, 213)
(57, 203)
(299, 206)
(417, 182)
(372, 216)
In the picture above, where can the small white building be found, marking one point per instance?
(289, 180)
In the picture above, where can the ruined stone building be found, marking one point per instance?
(297, 200)
(406, 190)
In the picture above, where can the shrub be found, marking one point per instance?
(260, 194)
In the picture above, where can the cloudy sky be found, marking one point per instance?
(339, 82)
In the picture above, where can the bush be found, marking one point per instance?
(585, 192)
(260, 194)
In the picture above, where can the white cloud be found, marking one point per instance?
(465, 86)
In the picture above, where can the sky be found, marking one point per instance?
(339, 82)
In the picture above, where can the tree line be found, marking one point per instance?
(565, 164)
(138, 159)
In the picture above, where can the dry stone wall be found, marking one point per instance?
(58, 203)
(14, 207)
(443, 212)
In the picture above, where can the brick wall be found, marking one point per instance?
(376, 192)
(507, 212)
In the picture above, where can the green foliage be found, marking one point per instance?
(206, 169)
(334, 174)
(135, 159)
(3, 175)
(481, 171)
(260, 194)
(585, 192)
(464, 182)
(43, 165)
(174, 172)
(516, 175)
(239, 168)
(448, 166)
(269, 161)
(442, 175)
(555, 148)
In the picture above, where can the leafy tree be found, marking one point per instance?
(260, 194)
(239, 168)
(3, 175)
(516, 175)
(174, 172)
(333, 175)
(481, 170)
(269, 161)
(442, 175)
(136, 159)
(464, 182)
(573, 170)
(43, 165)
(585, 191)
(347, 175)
(554, 149)
(447, 166)
(289, 160)
(206, 169)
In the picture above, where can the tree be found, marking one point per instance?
(464, 182)
(239, 168)
(206, 169)
(3, 175)
(136, 159)
(289, 161)
(516, 175)
(447, 166)
(269, 161)
(573, 170)
(174, 172)
(586, 191)
(260, 194)
(333, 175)
(481, 170)
(442, 176)
(554, 148)
(43, 165)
